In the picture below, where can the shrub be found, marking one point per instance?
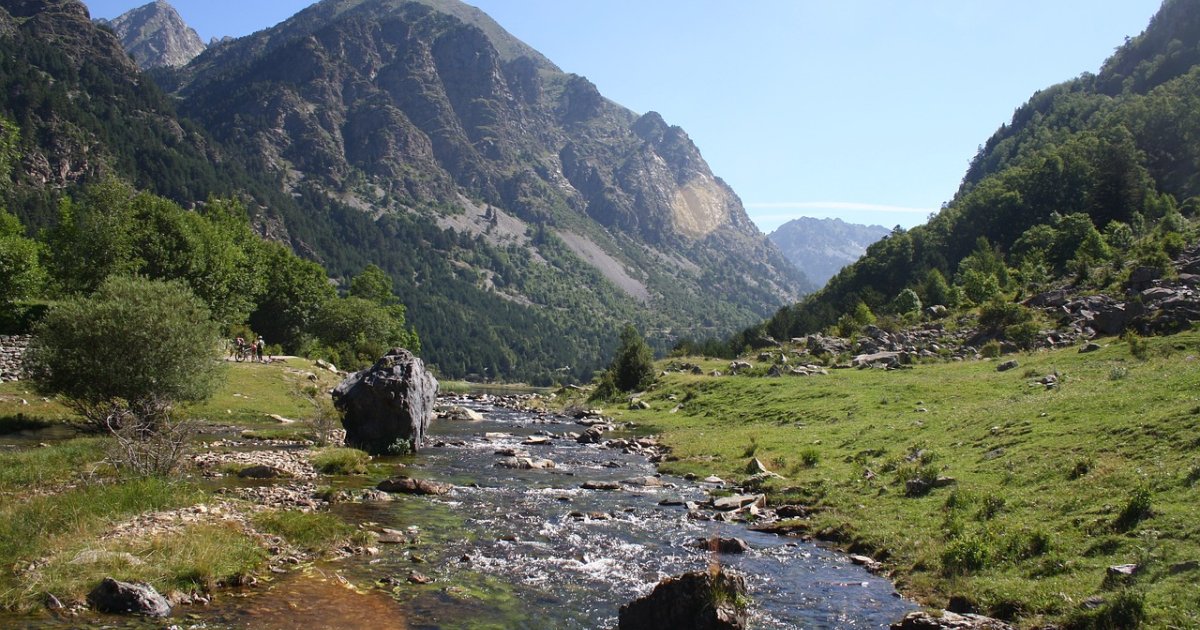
(992, 505)
(918, 479)
(1139, 347)
(1137, 507)
(810, 456)
(340, 461)
(1127, 609)
(998, 315)
(990, 350)
(325, 418)
(906, 302)
(632, 369)
(964, 554)
(1117, 373)
(125, 357)
(1024, 334)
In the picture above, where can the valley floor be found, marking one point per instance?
(978, 489)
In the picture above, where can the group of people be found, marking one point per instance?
(259, 346)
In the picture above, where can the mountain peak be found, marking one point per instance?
(155, 35)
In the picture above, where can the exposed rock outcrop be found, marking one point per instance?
(387, 407)
(697, 601)
(156, 35)
(112, 596)
(921, 620)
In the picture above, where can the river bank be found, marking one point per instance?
(1010, 493)
(256, 522)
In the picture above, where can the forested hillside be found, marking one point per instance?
(1091, 178)
(523, 218)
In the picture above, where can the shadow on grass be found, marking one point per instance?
(20, 422)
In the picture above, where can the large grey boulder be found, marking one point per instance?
(124, 598)
(387, 407)
(697, 601)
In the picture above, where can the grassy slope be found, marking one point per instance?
(1043, 476)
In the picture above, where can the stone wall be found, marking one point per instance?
(12, 348)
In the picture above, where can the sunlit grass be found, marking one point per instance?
(1019, 539)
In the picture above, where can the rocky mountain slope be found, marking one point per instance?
(155, 35)
(523, 216)
(821, 247)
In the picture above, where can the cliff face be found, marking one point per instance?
(398, 104)
(155, 35)
(83, 112)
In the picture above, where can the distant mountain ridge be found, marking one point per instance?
(821, 247)
(155, 35)
(524, 217)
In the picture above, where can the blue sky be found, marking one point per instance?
(867, 110)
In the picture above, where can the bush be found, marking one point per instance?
(990, 350)
(1136, 509)
(967, 553)
(124, 358)
(906, 302)
(1024, 335)
(632, 369)
(1127, 609)
(810, 456)
(1138, 346)
(20, 273)
(325, 418)
(998, 315)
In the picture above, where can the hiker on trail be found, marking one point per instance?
(238, 344)
(258, 348)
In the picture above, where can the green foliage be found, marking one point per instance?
(998, 316)
(113, 230)
(1139, 347)
(979, 287)
(20, 272)
(1136, 508)
(294, 292)
(906, 303)
(990, 350)
(935, 289)
(131, 351)
(355, 331)
(967, 553)
(374, 285)
(632, 368)
(1126, 609)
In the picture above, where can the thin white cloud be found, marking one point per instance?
(838, 205)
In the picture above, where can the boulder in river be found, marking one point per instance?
(698, 601)
(722, 545)
(387, 407)
(408, 485)
(112, 596)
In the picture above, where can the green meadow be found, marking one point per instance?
(1012, 497)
